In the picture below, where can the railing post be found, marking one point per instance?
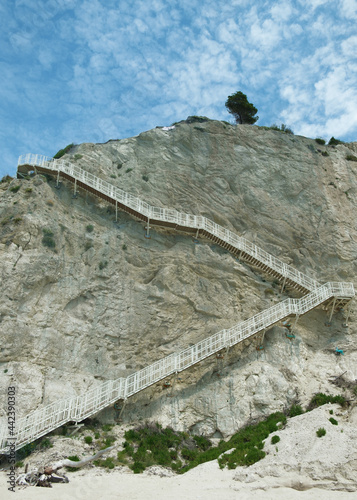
(147, 227)
(58, 176)
(345, 324)
(285, 276)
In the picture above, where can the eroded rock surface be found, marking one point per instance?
(102, 301)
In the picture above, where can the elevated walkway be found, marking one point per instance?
(165, 217)
(75, 409)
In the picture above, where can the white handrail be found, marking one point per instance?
(171, 216)
(77, 408)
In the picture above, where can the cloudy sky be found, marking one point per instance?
(93, 70)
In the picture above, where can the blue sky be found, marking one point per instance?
(93, 70)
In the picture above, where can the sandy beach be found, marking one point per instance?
(206, 482)
(301, 466)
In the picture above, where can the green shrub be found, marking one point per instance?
(275, 439)
(151, 444)
(325, 153)
(320, 432)
(176, 466)
(333, 421)
(128, 170)
(17, 220)
(122, 457)
(254, 454)
(196, 119)
(334, 142)
(137, 467)
(108, 463)
(173, 454)
(249, 442)
(19, 464)
(124, 247)
(6, 178)
(109, 440)
(321, 141)
(282, 128)
(188, 454)
(320, 399)
(88, 439)
(28, 190)
(102, 265)
(202, 442)
(26, 450)
(63, 151)
(77, 156)
(46, 443)
(14, 189)
(145, 178)
(351, 158)
(47, 239)
(295, 410)
(48, 242)
(88, 245)
(89, 228)
(6, 220)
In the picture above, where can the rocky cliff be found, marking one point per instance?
(85, 298)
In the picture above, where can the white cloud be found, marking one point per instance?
(228, 32)
(349, 8)
(314, 4)
(282, 11)
(267, 35)
(102, 67)
(349, 47)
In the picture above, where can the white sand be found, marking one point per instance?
(206, 482)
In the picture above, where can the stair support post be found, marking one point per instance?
(295, 323)
(260, 337)
(147, 235)
(348, 313)
(332, 310)
(122, 409)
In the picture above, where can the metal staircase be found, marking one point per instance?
(166, 217)
(50, 417)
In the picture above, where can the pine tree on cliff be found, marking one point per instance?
(242, 110)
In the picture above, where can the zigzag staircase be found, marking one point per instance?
(77, 408)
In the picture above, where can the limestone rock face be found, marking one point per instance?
(85, 299)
